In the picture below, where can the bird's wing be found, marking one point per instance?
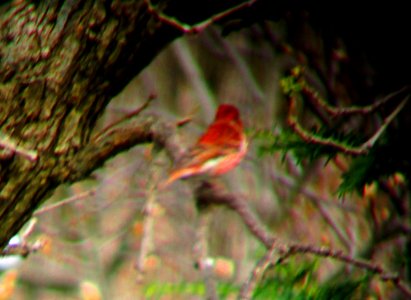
(202, 153)
(222, 134)
(196, 161)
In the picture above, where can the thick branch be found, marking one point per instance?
(61, 62)
(139, 130)
(210, 194)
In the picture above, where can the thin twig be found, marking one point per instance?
(199, 27)
(195, 76)
(208, 194)
(66, 201)
(257, 273)
(312, 139)
(328, 142)
(344, 111)
(289, 182)
(319, 204)
(131, 114)
(238, 61)
(29, 229)
(8, 144)
(147, 242)
(289, 250)
(365, 265)
(368, 144)
(202, 256)
(22, 247)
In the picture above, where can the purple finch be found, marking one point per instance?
(218, 150)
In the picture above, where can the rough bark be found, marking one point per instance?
(60, 64)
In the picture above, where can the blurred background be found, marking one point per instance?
(94, 231)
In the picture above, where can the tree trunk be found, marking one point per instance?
(60, 64)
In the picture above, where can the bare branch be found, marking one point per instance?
(10, 145)
(368, 144)
(248, 287)
(195, 76)
(22, 247)
(293, 249)
(245, 71)
(328, 142)
(74, 198)
(313, 139)
(209, 194)
(147, 242)
(201, 255)
(345, 111)
(318, 202)
(126, 117)
(340, 256)
(199, 27)
(137, 130)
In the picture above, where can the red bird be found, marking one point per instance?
(218, 150)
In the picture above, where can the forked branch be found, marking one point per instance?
(209, 194)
